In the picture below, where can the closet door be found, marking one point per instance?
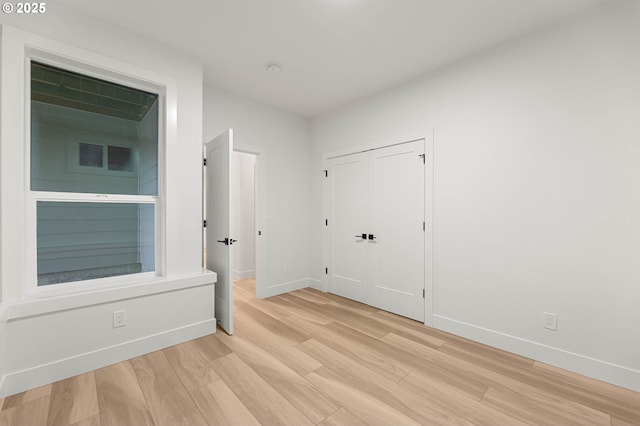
(396, 255)
(347, 207)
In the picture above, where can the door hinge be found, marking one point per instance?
(204, 161)
(423, 293)
(424, 227)
(423, 156)
(326, 173)
(326, 222)
(204, 223)
(326, 271)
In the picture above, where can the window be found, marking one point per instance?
(101, 157)
(93, 176)
(119, 158)
(90, 155)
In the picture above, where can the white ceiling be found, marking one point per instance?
(332, 52)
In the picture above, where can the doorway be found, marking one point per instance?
(377, 233)
(243, 225)
(227, 199)
(254, 160)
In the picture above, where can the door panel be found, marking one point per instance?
(218, 214)
(347, 217)
(379, 193)
(396, 214)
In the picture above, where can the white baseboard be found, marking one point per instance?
(276, 289)
(20, 381)
(597, 369)
(244, 275)
(317, 284)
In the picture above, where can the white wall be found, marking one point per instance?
(243, 210)
(537, 207)
(285, 139)
(81, 322)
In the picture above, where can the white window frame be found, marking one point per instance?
(120, 76)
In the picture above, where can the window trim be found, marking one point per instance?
(31, 198)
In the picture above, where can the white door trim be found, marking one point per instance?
(428, 232)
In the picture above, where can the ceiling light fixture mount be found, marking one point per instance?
(274, 68)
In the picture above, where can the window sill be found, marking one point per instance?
(54, 300)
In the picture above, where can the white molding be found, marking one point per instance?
(581, 364)
(324, 282)
(20, 381)
(286, 287)
(379, 143)
(429, 214)
(316, 284)
(134, 289)
(244, 275)
(18, 46)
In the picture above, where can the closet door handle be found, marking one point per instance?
(371, 237)
(363, 236)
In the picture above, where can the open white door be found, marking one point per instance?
(218, 217)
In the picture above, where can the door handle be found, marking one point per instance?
(371, 237)
(363, 236)
(227, 241)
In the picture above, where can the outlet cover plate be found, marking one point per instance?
(550, 321)
(119, 319)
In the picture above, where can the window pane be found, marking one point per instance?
(90, 155)
(119, 158)
(77, 121)
(83, 240)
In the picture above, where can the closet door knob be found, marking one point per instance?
(371, 237)
(363, 236)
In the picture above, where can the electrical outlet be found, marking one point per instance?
(550, 321)
(119, 319)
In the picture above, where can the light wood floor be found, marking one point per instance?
(313, 358)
